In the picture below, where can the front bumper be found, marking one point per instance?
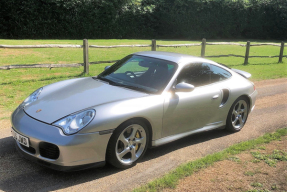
(55, 166)
(75, 151)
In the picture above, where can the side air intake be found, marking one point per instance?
(225, 97)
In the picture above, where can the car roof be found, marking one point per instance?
(180, 59)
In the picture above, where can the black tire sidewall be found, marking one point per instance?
(111, 149)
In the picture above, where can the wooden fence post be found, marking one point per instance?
(247, 53)
(153, 45)
(281, 52)
(203, 44)
(86, 56)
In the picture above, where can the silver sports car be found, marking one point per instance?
(146, 99)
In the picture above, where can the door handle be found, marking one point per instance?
(215, 96)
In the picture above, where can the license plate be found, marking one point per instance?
(20, 138)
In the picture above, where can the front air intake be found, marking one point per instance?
(28, 149)
(49, 150)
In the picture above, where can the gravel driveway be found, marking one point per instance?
(17, 174)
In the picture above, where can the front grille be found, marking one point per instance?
(28, 149)
(49, 150)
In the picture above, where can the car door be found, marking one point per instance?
(186, 111)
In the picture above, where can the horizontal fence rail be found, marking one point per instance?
(7, 67)
(67, 46)
(181, 45)
(41, 66)
(40, 46)
(271, 44)
(232, 55)
(153, 46)
(116, 46)
(244, 45)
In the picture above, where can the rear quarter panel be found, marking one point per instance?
(240, 86)
(237, 86)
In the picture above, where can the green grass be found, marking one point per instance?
(272, 159)
(17, 84)
(256, 184)
(171, 179)
(258, 190)
(249, 173)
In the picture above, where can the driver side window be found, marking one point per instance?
(197, 74)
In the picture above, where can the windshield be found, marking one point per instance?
(140, 73)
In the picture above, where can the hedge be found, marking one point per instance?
(176, 19)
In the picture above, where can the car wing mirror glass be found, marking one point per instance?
(184, 87)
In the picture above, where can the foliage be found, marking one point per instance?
(193, 19)
(221, 19)
(256, 184)
(272, 159)
(69, 19)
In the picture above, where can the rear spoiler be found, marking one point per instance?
(242, 73)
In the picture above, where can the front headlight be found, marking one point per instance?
(76, 122)
(33, 97)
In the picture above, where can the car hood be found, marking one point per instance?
(63, 98)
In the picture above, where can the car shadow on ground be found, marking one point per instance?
(18, 174)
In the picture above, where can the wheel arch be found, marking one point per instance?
(248, 99)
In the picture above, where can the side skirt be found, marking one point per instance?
(169, 139)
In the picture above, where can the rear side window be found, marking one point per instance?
(197, 74)
(218, 74)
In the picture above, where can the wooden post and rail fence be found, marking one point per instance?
(153, 46)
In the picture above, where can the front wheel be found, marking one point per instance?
(128, 144)
(237, 115)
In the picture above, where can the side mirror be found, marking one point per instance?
(184, 87)
(107, 67)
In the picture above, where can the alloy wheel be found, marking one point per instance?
(131, 144)
(239, 114)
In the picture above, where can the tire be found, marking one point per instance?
(237, 115)
(128, 144)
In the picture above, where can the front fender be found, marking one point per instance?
(111, 115)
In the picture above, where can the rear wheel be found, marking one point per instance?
(128, 144)
(237, 115)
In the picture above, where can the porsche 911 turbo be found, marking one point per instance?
(144, 100)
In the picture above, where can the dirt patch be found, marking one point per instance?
(242, 172)
(4, 123)
(270, 82)
(273, 100)
(4, 119)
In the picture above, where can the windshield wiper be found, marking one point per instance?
(134, 88)
(107, 80)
